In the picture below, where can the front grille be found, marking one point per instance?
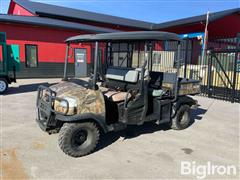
(44, 106)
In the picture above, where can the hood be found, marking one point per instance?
(86, 100)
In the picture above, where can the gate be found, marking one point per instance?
(223, 75)
(219, 71)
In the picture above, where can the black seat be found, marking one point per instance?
(157, 79)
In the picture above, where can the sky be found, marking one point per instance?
(147, 10)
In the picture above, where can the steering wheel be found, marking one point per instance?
(98, 77)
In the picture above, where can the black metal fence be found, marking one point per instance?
(218, 71)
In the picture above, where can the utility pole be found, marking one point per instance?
(205, 39)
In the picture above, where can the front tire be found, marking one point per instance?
(78, 139)
(3, 85)
(182, 119)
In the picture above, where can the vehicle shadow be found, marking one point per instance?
(129, 133)
(197, 114)
(33, 87)
(26, 88)
(147, 128)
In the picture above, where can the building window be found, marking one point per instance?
(31, 54)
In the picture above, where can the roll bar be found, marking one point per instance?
(94, 80)
(65, 78)
(178, 67)
(94, 86)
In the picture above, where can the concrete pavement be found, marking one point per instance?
(150, 151)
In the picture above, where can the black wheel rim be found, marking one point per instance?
(183, 116)
(80, 138)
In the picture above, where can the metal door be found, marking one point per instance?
(80, 62)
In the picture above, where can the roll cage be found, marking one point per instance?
(142, 39)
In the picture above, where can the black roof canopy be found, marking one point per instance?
(125, 36)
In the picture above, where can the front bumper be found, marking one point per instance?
(45, 108)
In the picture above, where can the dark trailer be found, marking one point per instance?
(129, 88)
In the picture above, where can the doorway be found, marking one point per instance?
(80, 62)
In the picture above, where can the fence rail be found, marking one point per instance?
(219, 72)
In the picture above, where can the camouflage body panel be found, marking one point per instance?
(88, 100)
(189, 88)
(167, 86)
(185, 88)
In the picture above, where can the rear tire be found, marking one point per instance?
(3, 85)
(78, 139)
(182, 119)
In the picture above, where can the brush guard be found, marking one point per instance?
(45, 108)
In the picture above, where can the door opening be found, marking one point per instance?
(80, 62)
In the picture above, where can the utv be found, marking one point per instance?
(129, 88)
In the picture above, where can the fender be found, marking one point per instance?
(98, 119)
(8, 79)
(183, 100)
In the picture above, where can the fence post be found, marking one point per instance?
(235, 69)
(209, 76)
(186, 57)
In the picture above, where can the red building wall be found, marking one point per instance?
(50, 42)
(228, 26)
(51, 48)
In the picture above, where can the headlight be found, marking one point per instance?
(71, 102)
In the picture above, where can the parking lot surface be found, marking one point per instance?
(144, 152)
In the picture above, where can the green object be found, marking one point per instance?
(9, 57)
(3, 54)
(13, 60)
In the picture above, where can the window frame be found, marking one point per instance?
(26, 60)
(128, 51)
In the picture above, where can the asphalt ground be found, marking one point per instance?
(149, 151)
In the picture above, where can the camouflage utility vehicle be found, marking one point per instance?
(138, 81)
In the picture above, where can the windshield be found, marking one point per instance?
(126, 55)
(132, 55)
